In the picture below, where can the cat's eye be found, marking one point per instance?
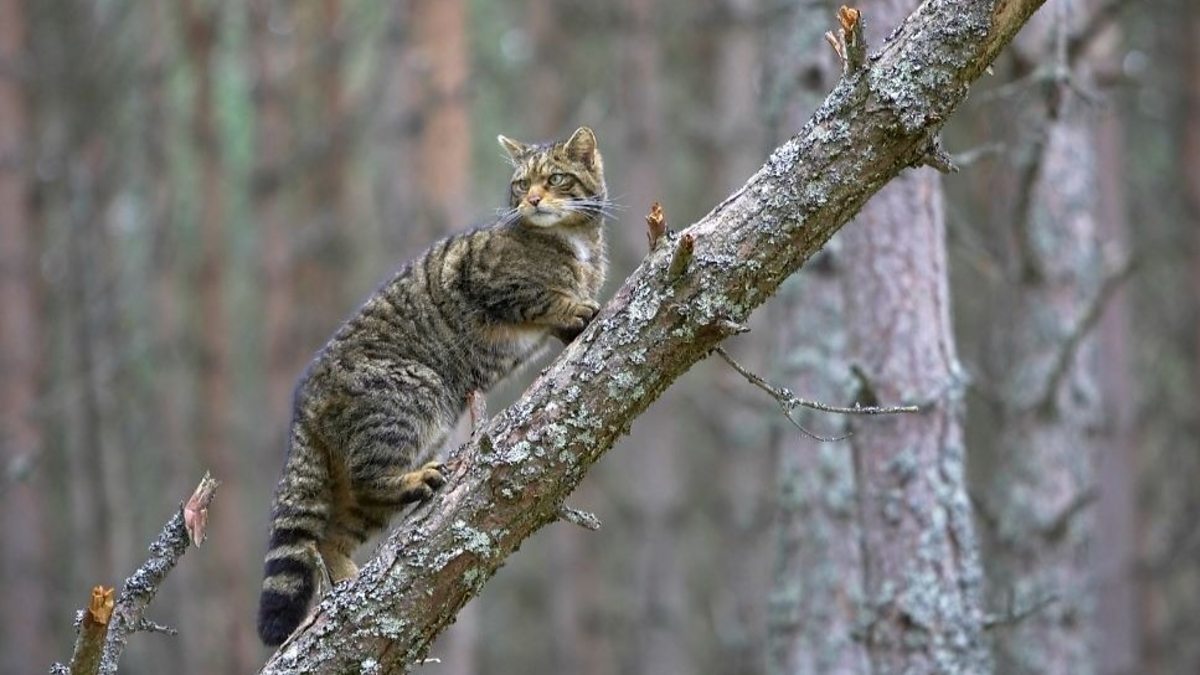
(558, 179)
(521, 185)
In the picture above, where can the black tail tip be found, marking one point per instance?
(278, 616)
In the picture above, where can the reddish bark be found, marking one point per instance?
(24, 554)
(230, 647)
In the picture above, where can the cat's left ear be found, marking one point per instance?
(514, 148)
(582, 146)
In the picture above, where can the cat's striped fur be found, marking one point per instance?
(377, 399)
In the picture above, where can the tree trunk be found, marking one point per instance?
(24, 554)
(444, 154)
(922, 587)
(1114, 557)
(665, 319)
(655, 490)
(921, 574)
(1042, 480)
(274, 59)
(228, 606)
(817, 583)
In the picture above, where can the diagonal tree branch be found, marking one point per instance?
(514, 476)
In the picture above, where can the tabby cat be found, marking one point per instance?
(378, 398)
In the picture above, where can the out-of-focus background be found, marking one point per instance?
(193, 193)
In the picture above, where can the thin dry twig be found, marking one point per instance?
(789, 401)
(140, 588)
(1014, 616)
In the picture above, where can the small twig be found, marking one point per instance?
(729, 328)
(937, 157)
(788, 401)
(793, 401)
(148, 626)
(93, 629)
(587, 521)
(681, 257)
(140, 588)
(656, 225)
(1013, 616)
(848, 41)
(477, 405)
(195, 511)
(969, 157)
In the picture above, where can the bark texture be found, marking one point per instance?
(922, 580)
(874, 124)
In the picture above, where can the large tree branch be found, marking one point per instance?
(516, 473)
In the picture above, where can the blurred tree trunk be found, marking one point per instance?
(551, 43)
(921, 574)
(655, 495)
(1170, 565)
(442, 203)
(395, 139)
(745, 437)
(816, 591)
(1114, 557)
(24, 554)
(575, 594)
(322, 241)
(171, 404)
(228, 606)
(442, 61)
(1037, 504)
(274, 64)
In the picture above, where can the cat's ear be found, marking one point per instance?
(582, 146)
(514, 148)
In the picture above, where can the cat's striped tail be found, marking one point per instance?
(298, 518)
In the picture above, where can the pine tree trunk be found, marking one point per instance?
(24, 555)
(922, 579)
(1042, 480)
(230, 647)
(816, 590)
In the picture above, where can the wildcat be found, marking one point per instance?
(377, 399)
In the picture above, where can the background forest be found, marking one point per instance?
(193, 193)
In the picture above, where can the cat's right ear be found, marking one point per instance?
(514, 148)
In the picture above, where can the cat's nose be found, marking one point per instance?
(534, 200)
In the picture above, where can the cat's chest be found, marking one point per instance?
(581, 247)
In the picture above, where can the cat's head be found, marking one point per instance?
(556, 183)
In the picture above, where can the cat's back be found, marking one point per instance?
(419, 323)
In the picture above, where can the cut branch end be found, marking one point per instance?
(656, 225)
(587, 521)
(848, 42)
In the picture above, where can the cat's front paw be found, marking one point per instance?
(580, 314)
(418, 485)
(585, 310)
